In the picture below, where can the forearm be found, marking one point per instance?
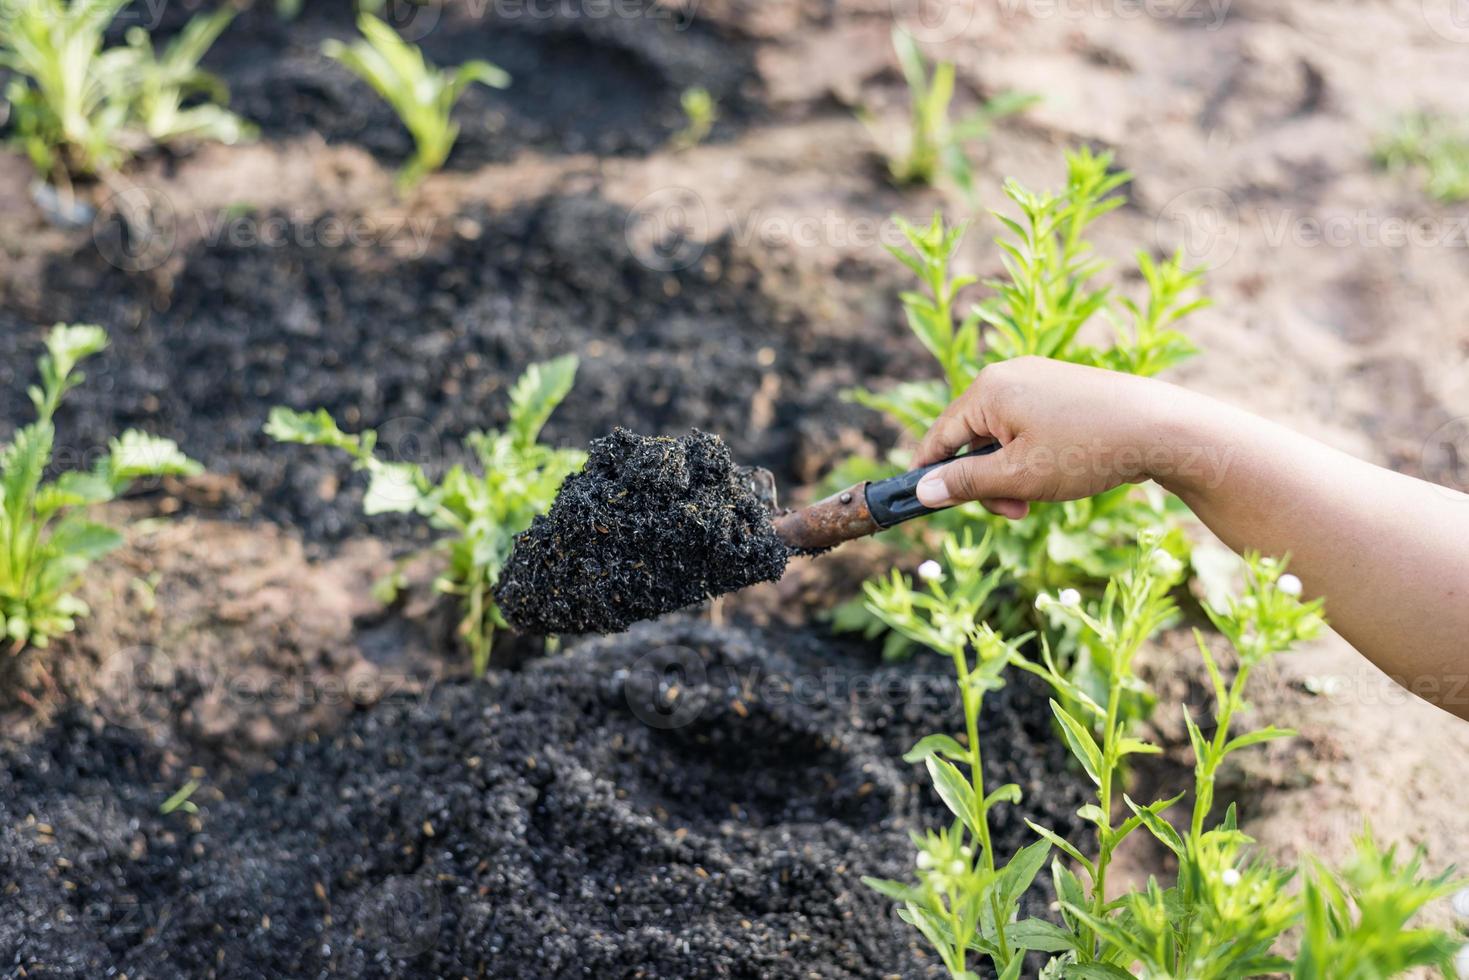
(1388, 552)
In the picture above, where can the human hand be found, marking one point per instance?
(1067, 432)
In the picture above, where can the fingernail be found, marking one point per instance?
(931, 490)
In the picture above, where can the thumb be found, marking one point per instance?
(970, 478)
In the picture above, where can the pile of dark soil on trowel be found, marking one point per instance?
(651, 525)
(677, 802)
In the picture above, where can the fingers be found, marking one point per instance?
(1006, 507)
(961, 424)
(986, 478)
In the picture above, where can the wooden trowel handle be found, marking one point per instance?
(859, 510)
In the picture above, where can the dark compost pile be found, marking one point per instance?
(678, 802)
(651, 525)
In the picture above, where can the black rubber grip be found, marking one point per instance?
(894, 500)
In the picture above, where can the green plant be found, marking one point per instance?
(161, 85)
(68, 105)
(180, 799)
(963, 900)
(700, 113)
(1434, 146)
(46, 540)
(481, 513)
(422, 96)
(82, 110)
(1225, 912)
(936, 145)
(1039, 307)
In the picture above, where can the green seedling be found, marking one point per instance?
(1434, 146)
(161, 85)
(936, 144)
(421, 95)
(480, 513)
(46, 539)
(700, 113)
(1227, 910)
(1039, 307)
(180, 801)
(964, 899)
(80, 110)
(67, 100)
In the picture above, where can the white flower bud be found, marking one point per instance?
(1461, 903)
(1069, 598)
(1230, 877)
(957, 867)
(1164, 564)
(931, 571)
(1461, 961)
(968, 852)
(1289, 584)
(1043, 601)
(925, 860)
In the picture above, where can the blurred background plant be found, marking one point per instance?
(423, 96)
(1433, 146)
(700, 113)
(937, 145)
(81, 110)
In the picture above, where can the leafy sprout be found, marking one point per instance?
(1436, 147)
(80, 109)
(700, 113)
(423, 96)
(46, 539)
(480, 513)
(936, 144)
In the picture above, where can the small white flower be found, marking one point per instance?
(957, 867)
(1069, 598)
(1043, 601)
(1461, 961)
(1289, 584)
(930, 571)
(1230, 877)
(968, 852)
(1461, 903)
(1164, 564)
(925, 860)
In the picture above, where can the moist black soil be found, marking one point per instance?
(425, 349)
(583, 80)
(680, 801)
(652, 524)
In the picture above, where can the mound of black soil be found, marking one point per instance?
(425, 349)
(583, 80)
(651, 525)
(678, 802)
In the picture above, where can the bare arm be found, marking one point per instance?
(1390, 553)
